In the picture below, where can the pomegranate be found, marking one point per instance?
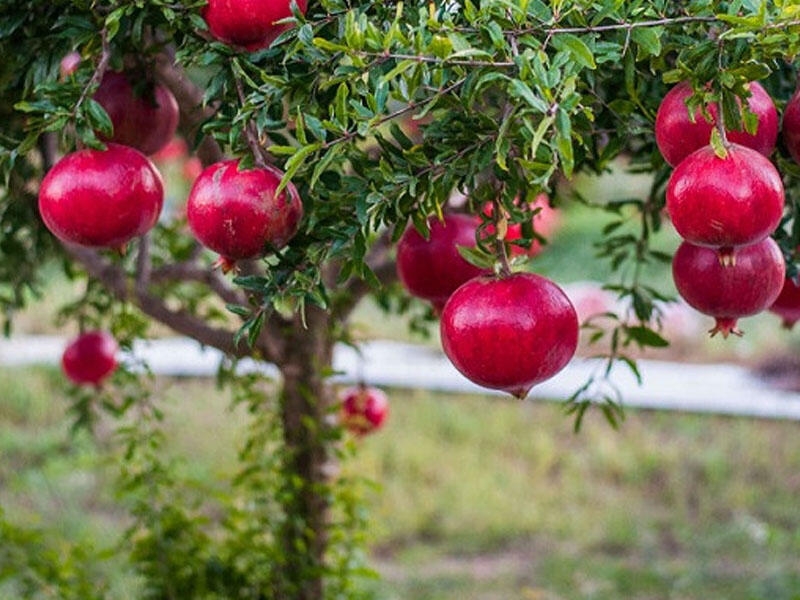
(364, 409)
(90, 358)
(725, 202)
(678, 133)
(144, 118)
(787, 304)
(791, 126)
(101, 198)
(545, 222)
(69, 64)
(248, 23)
(509, 333)
(238, 214)
(432, 269)
(727, 293)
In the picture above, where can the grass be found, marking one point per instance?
(479, 498)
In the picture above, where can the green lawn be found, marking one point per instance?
(478, 498)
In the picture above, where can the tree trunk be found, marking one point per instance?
(305, 402)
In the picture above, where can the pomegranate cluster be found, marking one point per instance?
(724, 206)
(504, 332)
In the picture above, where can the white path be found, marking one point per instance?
(722, 389)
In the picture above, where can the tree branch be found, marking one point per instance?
(192, 271)
(190, 102)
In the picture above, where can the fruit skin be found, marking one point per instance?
(237, 214)
(545, 222)
(727, 293)
(101, 198)
(509, 333)
(90, 358)
(727, 202)
(147, 121)
(433, 269)
(363, 409)
(791, 126)
(677, 136)
(787, 304)
(248, 23)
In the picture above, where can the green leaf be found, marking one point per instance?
(295, 162)
(576, 47)
(644, 336)
(98, 117)
(648, 39)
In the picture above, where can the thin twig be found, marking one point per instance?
(250, 130)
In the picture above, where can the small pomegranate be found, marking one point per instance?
(678, 133)
(364, 409)
(725, 202)
(509, 333)
(432, 269)
(787, 304)
(90, 358)
(237, 212)
(144, 118)
(727, 293)
(545, 222)
(248, 23)
(791, 126)
(101, 198)
(69, 64)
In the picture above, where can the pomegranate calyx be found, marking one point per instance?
(726, 256)
(224, 264)
(788, 324)
(725, 326)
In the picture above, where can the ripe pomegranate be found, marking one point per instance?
(509, 333)
(237, 213)
(432, 269)
(144, 118)
(725, 202)
(678, 133)
(101, 198)
(545, 222)
(791, 126)
(787, 304)
(364, 409)
(729, 292)
(248, 23)
(90, 358)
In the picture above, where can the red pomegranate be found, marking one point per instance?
(545, 222)
(364, 409)
(90, 358)
(791, 126)
(144, 118)
(509, 333)
(678, 133)
(432, 269)
(101, 198)
(742, 289)
(725, 202)
(237, 212)
(248, 23)
(787, 304)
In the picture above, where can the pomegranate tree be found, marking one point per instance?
(101, 198)
(729, 292)
(90, 358)
(237, 212)
(509, 333)
(725, 202)
(545, 223)
(364, 409)
(144, 116)
(680, 132)
(433, 268)
(252, 24)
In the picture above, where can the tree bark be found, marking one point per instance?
(307, 398)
